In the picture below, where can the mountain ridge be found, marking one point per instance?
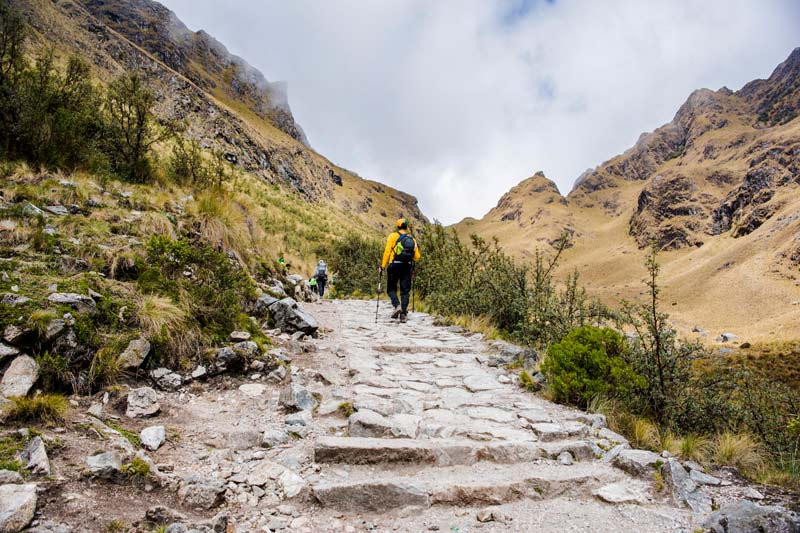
(716, 188)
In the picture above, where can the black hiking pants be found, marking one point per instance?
(321, 286)
(399, 273)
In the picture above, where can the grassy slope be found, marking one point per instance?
(743, 285)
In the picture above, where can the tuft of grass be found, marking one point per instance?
(739, 450)
(137, 469)
(46, 408)
(658, 480)
(132, 436)
(644, 434)
(347, 409)
(10, 446)
(106, 367)
(527, 383)
(159, 315)
(694, 447)
(116, 526)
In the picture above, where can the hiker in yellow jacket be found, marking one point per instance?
(398, 259)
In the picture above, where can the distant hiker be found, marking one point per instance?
(398, 258)
(321, 275)
(282, 263)
(313, 283)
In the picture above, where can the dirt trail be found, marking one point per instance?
(438, 440)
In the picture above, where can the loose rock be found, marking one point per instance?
(294, 396)
(106, 465)
(153, 437)
(142, 402)
(35, 457)
(746, 517)
(19, 377)
(17, 506)
(135, 354)
(196, 491)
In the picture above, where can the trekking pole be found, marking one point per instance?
(378, 297)
(413, 292)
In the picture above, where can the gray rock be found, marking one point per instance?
(19, 377)
(298, 336)
(160, 514)
(17, 506)
(34, 456)
(565, 458)
(78, 302)
(225, 357)
(374, 497)
(302, 418)
(246, 349)
(747, 517)
(106, 465)
(135, 353)
(366, 423)
(166, 379)
(701, 478)
(12, 334)
(726, 337)
(239, 336)
(274, 437)
(7, 351)
(31, 210)
(277, 375)
(637, 462)
(57, 209)
(153, 437)
(254, 390)
(13, 300)
(611, 436)
(289, 317)
(684, 490)
(197, 491)
(9, 476)
(199, 372)
(612, 454)
(618, 493)
(142, 402)
(54, 328)
(265, 301)
(296, 397)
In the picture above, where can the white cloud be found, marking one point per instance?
(456, 101)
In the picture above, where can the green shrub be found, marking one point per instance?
(355, 260)
(588, 362)
(209, 284)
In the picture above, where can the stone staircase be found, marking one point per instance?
(436, 429)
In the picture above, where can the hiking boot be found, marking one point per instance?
(403, 317)
(396, 312)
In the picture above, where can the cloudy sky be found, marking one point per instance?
(456, 101)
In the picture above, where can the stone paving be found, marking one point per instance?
(440, 432)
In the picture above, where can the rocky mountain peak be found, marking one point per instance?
(200, 57)
(776, 100)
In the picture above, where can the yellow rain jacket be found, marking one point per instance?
(391, 242)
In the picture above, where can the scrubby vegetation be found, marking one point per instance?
(46, 408)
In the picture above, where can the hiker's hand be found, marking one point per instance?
(380, 270)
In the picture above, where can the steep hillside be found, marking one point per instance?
(716, 189)
(225, 103)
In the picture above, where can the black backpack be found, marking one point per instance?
(404, 249)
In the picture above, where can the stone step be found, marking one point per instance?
(442, 452)
(476, 485)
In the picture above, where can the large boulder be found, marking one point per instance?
(295, 397)
(289, 317)
(265, 301)
(142, 402)
(135, 354)
(19, 377)
(745, 516)
(7, 351)
(196, 491)
(17, 506)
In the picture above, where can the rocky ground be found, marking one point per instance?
(369, 427)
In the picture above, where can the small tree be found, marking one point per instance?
(12, 63)
(656, 354)
(132, 131)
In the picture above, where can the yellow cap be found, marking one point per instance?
(402, 223)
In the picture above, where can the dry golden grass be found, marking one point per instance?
(739, 450)
(159, 315)
(694, 447)
(46, 408)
